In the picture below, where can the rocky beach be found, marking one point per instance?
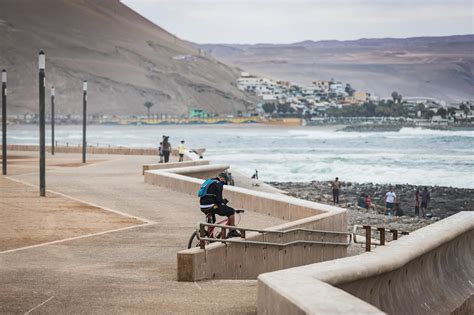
(445, 201)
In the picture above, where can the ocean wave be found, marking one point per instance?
(411, 155)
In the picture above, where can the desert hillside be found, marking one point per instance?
(440, 67)
(126, 59)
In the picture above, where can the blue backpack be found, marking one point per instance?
(205, 186)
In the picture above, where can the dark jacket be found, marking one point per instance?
(214, 194)
(425, 196)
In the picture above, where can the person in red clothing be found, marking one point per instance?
(417, 203)
(368, 202)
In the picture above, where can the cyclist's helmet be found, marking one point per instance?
(224, 176)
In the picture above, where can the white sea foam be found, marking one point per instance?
(412, 155)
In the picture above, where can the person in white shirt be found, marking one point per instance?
(390, 198)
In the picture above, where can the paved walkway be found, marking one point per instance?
(131, 271)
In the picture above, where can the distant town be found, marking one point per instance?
(333, 101)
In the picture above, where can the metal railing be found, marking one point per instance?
(382, 233)
(201, 236)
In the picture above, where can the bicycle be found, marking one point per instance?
(211, 231)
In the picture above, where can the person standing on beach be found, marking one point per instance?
(417, 203)
(390, 198)
(336, 186)
(166, 148)
(425, 198)
(181, 151)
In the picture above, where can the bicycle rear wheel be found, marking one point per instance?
(193, 241)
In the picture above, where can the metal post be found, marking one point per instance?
(42, 84)
(4, 122)
(382, 236)
(202, 233)
(84, 120)
(368, 237)
(52, 120)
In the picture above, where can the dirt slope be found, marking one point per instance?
(126, 59)
(440, 67)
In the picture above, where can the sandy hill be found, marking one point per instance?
(126, 59)
(440, 67)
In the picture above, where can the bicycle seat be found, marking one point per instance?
(239, 210)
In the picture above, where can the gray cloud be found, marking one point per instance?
(284, 21)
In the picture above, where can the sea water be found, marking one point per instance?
(411, 155)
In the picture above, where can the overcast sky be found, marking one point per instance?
(288, 21)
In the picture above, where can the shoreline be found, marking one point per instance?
(445, 201)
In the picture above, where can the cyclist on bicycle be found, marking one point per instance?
(214, 203)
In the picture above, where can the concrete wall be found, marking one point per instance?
(240, 261)
(162, 166)
(246, 261)
(183, 179)
(430, 271)
(90, 150)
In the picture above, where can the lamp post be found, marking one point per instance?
(42, 84)
(4, 122)
(52, 120)
(84, 120)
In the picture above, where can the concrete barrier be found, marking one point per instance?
(243, 261)
(162, 166)
(90, 150)
(430, 271)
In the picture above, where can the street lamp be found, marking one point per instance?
(42, 85)
(4, 122)
(52, 120)
(84, 120)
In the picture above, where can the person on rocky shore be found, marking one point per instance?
(417, 203)
(390, 198)
(425, 198)
(361, 201)
(368, 203)
(336, 186)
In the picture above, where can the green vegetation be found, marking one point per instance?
(269, 108)
(396, 97)
(148, 105)
(370, 109)
(388, 109)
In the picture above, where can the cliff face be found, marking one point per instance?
(440, 67)
(126, 59)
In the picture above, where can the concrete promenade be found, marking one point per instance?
(127, 271)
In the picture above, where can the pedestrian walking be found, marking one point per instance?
(390, 198)
(166, 148)
(160, 152)
(181, 151)
(336, 186)
(425, 198)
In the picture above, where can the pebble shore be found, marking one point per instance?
(445, 201)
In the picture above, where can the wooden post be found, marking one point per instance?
(395, 234)
(368, 237)
(382, 236)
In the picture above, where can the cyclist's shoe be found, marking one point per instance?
(234, 233)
